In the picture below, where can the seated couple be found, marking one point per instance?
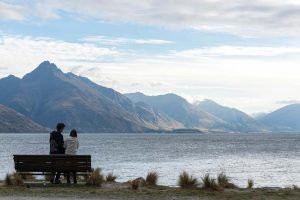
(59, 146)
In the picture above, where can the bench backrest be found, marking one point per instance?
(52, 163)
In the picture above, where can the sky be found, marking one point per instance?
(239, 53)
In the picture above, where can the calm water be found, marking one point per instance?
(270, 160)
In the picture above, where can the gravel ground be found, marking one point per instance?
(123, 191)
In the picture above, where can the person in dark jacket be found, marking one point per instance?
(57, 147)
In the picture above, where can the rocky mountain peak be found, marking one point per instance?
(44, 71)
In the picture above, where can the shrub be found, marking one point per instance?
(224, 181)
(210, 183)
(152, 178)
(250, 183)
(187, 181)
(110, 177)
(95, 178)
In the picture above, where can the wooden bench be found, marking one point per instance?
(47, 164)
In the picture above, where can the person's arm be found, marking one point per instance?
(60, 142)
(77, 144)
(65, 144)
(51, 137)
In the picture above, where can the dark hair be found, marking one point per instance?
(60, 126)
(73, 133)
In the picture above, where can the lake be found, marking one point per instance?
(269, 159)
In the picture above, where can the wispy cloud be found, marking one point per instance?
(11, 12)
(28, 51)
(246, 18)
(123, 41)
(237, 51)
(288, 102)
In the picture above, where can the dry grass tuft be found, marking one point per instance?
(210, 183)
(295, 187)
(95, 178)
(8, 180)
(135, 184)
(187, 181)
(152, 178)
(110, 177)
(13, 179)
(224, 181)
(28, 177)
(250, 183)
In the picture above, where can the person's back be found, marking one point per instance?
(71, 145)
(57, 147)
(53, 143)
(56, 143)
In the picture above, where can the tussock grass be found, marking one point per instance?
(187, 181)
(224, 181)
(13, 179)
(295, 187)
(28, 177)
(135, 184)
(250, 183)
(8, 180)
(152, 178)
(110, 177)
(210, 183)
(95, 178)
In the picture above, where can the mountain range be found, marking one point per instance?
(239, 120)
(14, 122)
(286, 119)
(181, 110)
(47, 95)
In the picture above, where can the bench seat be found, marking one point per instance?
(45, 164)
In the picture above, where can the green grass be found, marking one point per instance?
(187, 181)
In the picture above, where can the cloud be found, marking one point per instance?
(123, 41)
(156, 84)
(16, 51)
(236, 51)
(288, 102)
(240, 17)
(11, 12)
